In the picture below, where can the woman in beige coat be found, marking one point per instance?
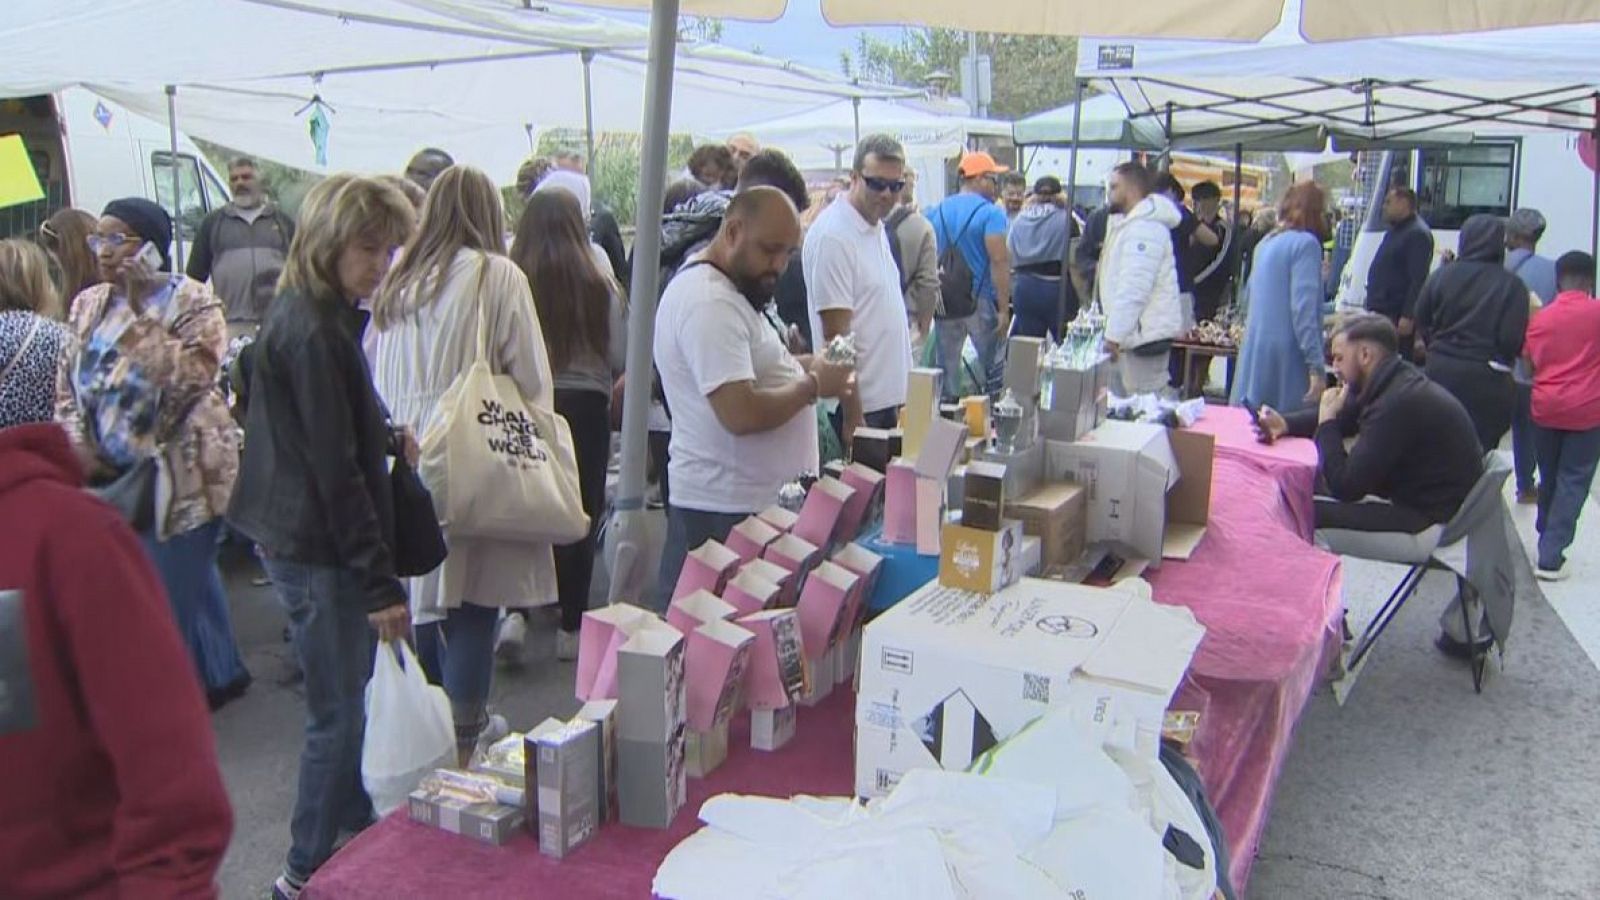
(427, 319)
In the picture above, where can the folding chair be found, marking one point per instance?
(1440, 548)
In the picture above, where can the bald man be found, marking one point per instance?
(743, 408)
(426, 166)
(744, 148)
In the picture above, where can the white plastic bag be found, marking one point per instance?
(409, 729)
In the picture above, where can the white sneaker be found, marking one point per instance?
(566, 645)
(1552, 574)
(508, 642)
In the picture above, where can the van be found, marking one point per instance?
(88, 151)
(1496, 176)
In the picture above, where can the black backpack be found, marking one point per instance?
(957, 299)
(892, 226)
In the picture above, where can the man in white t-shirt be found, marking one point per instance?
(743, 408)
(853, 284)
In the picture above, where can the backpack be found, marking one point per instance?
(892, 226)
(957, 298)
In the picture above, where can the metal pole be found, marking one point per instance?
(177, 199)
(1594, 200)
(855, 111)
(629, 580)
(588, 105)
(1072, 187)
(1238, 216)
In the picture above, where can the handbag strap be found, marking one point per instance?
(27, 343)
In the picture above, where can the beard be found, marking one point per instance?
(755, 289)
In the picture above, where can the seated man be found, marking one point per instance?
(1415, 457)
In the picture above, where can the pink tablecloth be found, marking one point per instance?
(1271, 606)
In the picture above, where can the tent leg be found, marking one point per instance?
(1238, 216)
(1594, 200)
(588, 106)
(855, 112)
(177, 197)
(629, 581)
(1072, 206)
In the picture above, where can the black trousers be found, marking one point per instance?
(588, 414)
(1334, 515)
(1489, 395)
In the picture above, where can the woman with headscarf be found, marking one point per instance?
(1281, 363)
(142, 402)
(427, 313)
(65, 236)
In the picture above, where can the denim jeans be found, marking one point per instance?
(187, 564)
(1566, 470)
(457, 654)
(1523, 453)
(953, 334)
(687, 529)
(1035, 306)
(329, 632)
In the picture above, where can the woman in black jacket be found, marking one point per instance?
(313, 493)
(1471, 318)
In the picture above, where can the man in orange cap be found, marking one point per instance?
(974, 272)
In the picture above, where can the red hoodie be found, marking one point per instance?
(110, 788)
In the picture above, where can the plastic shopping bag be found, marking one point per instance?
(409, 729)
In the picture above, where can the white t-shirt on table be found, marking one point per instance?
(847, 265)
(708, 335)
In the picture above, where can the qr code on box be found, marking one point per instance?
(1036, 687)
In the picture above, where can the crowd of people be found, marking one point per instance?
(272, 390)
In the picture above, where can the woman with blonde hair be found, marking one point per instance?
(1282, 363)
(65, 236)
(314, 493)
(34, 348)
(453, 276)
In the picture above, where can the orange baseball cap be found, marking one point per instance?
(976, 162)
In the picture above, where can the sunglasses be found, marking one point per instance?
(114, 241)
(881, 185)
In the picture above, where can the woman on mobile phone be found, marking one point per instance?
(141, 405)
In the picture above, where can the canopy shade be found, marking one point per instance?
(1338, 20)
(812, 136)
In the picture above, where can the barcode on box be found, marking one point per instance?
(1036, 687)
(898, 661)
(887, 780)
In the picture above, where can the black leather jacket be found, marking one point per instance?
(314, 481)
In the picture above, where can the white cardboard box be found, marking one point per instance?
(1127, 469)
(947, 674)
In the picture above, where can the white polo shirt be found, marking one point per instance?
(708, 335)
(848, 265)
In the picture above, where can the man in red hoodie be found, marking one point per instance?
(1564, 348)
(108, 768)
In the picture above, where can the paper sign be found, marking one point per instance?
(19, 183)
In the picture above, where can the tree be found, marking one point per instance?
(1031, 73)
(699, 30)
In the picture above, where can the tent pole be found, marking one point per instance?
(855, 112)
(177, 204)
(629, 581)
(588, 105)
(1072, 188)
(1594, 201)
(1238, 216)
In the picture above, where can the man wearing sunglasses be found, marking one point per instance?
(853, 284)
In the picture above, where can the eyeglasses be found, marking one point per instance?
(880, 185)
(114, 241)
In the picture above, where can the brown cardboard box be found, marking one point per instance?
(1056, 514)
(979, 561)
(983, 496)
(1189, 501)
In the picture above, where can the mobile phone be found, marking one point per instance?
(1254, 411)
(149, 256)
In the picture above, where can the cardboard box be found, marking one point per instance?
(900, 503)
(1024, 364)
(750, 538)
(749, 592)
(705, 750)
(863, 506)
(1032, 557)
(863, 562)
(771, 729)
(946, 674)
(601, 634)
(1126, 469)
(1139, 683)
(776, 675)
(489, 823)
(824, 507)
(1189, 502)
(1056, 514)
(788, 584)
(955, 412)
(941, 449)
(983, 496)
(824, 602)
(603, 713)
(819, 678)
(975, 412)
(567, 801)
(973, 449)
(1025, 467)
(707, 568)
(792, 553)
(873, 448)
(834, 468)
(923, 389)
(779, 518)
(979, 560)
(714, 665)
(930, 514)
(1075, 401)
(650, 726)
(688, 613)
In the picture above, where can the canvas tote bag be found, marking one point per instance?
(499, 466)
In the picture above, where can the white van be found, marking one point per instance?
(1495, 176)
(89, 151)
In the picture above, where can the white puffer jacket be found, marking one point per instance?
(1138, 278)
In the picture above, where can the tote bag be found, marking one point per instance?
(499, 466)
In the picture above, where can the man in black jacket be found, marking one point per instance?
(1415, 448)
(1472, 316)
(1401, 264)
